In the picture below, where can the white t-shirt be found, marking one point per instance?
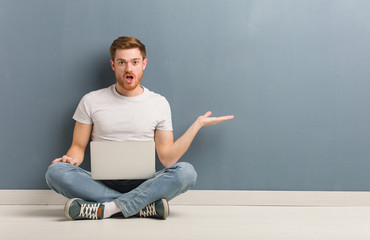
(119, 118)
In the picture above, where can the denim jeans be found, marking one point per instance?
(75, 182)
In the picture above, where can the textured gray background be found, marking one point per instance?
(294, 73)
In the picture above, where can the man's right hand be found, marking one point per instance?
(66, 159)
(81, 136)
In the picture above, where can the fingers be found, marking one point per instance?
(207, 114)
(221, 119)
(206, 121)
(56, 160)
(225, 118)
(65, 159)
(73, 161)
(228, 117)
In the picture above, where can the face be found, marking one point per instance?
(128, 67)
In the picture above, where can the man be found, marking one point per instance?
(125, 111)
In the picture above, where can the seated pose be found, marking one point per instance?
(125, 111)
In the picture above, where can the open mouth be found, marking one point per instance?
(129, 78)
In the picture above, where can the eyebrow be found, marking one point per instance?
(120, 59)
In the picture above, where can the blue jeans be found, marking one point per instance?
(75, 182)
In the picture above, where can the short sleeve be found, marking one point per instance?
(82, 113)
(165, 124)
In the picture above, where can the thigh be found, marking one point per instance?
(75, 182)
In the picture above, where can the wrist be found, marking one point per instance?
(198, 124)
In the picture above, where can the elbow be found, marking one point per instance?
(168, 162)
(168, 156)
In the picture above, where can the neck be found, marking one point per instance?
(129, 93)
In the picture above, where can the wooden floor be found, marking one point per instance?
(192, 222)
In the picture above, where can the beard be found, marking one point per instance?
(129, 81)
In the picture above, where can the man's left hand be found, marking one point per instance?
(206, 120)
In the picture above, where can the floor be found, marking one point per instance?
(192, 222)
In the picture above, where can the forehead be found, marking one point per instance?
(128, 54)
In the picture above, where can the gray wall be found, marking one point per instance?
(294, 73)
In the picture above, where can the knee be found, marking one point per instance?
(187, 175)
(56, 172)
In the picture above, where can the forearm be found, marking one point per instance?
(169, 152)
(181, 145)
(77, 153)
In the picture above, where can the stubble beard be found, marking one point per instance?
(130, 87)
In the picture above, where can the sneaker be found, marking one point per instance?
(158, 209)
(76, 209)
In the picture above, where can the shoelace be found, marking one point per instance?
(148, 211)
(89, 210)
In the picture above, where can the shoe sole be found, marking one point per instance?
(166, 208)
(66, 208)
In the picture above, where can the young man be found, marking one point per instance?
(125, 111)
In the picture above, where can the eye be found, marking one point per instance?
(121, 62)
(135, 62)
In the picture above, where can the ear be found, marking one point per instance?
(145, 61)
(112, 65)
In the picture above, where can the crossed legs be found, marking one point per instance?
(75, 182)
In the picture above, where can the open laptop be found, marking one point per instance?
(113, 160)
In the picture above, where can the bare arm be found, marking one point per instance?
(81, 137)
(169, 152)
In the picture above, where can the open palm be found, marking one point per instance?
(206, 120)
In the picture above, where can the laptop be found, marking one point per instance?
(114, 160)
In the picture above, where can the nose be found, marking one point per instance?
(128, 67)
